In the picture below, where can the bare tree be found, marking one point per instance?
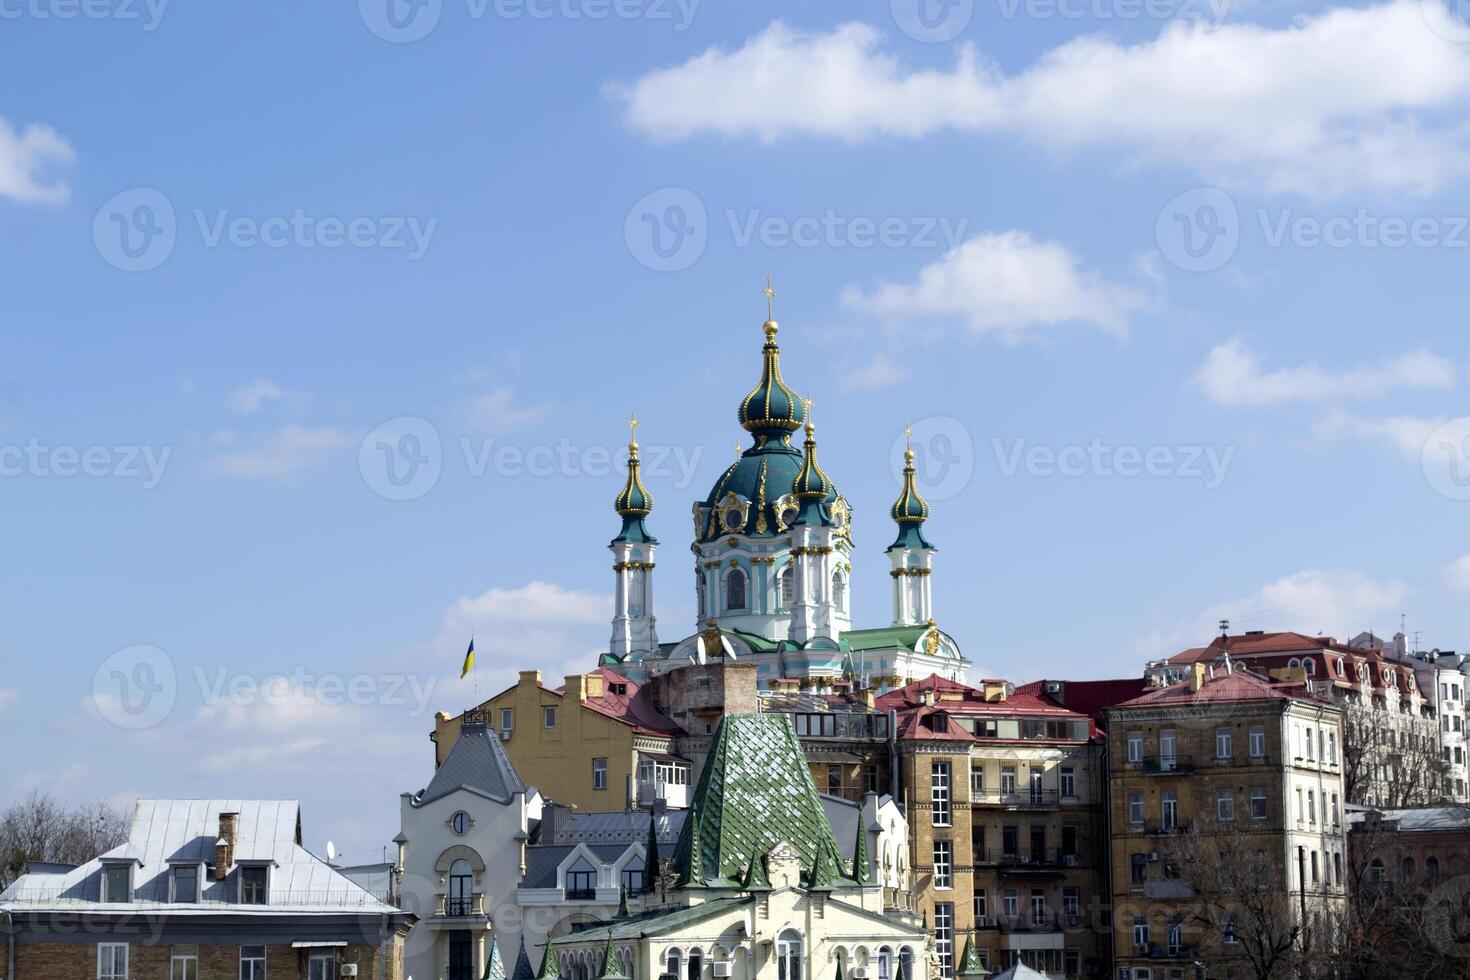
(39, 828)
(1240, 904)
(1387, 766)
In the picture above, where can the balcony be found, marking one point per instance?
(1016, 799)
(675, 795)
(1033, 921)
(459, 906)
(1030, 859)
(1163, 764)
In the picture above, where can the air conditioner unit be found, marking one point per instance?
(1053, 687)
(722, 968)
(1153, 855)
(505, 735)
(859, 973)
(349, 969)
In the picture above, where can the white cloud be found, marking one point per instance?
(1457, 573)
(1338, 603)
(249, 398)
(1405, 434)
(1345, 99)
(297, 754)
(29, 159)
(8, 696)
(879, 371)
(536, 625)
(496, 414)
(288, 451)
(1232, 375)
(1006, 283)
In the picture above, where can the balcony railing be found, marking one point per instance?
(459, 905)
(82, 896)
(1025, 798)
(1031, 921)
(1030, 859)
(1163, 764)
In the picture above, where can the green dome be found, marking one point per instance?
(634, 503)
(771, 409)
(811, 482)
(910, 510)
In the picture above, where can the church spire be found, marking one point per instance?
(633, 549)
(911, 554)
(635, 502)
(771, 410)
(910, 510)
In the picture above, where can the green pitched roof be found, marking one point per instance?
(523, 969)
(494, 965)
(860, 852)
(970, 965)
(651, 923)
(549, 969)
(755, 792)
(885, 638)
(612, 965)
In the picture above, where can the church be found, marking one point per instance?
(773, 565)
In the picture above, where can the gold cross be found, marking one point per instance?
(738, 451)
(908, 436)
(633, 422)
(770, 297)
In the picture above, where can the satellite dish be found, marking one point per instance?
(726, 645)
(331, 852)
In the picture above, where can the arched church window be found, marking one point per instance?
(673, 963)
(906, 960)
(786, 584)
(788, 955)
(885, 963)
(735, 589)
(839, 592)
(696, 964)
(461, 888)
(699, 589)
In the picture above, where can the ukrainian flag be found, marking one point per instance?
(469, 660)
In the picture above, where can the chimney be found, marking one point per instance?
(1196, 676)
(595, 686)
(576, 687)
(531, 677)
(868, 698)
(224, 848)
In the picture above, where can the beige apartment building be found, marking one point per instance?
(1224, 783)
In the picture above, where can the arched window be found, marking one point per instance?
(786, 587)
(696, 964)
(1293, 663)
(735, 589)
(1431, 869)
(885, 963)
(673, 962)
(1311, 666)
(788, 955)
(699, 589)
(1337, 866)
(839, 592)
(461, 888)
(1406, 869)
(906, 961)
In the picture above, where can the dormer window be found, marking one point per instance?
(117, 883)
(253, 884)
(186, 883)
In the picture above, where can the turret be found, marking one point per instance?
(911, 554)
(812, 557)
(633, 550)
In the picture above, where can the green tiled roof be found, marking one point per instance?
(970, 965)
(523, 969)
(885, 638)
(755, 792)
(549, 969)
(494, 965)
(612, 965)
(651, 923)
(860, 853)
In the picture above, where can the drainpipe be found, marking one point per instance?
(9, 943)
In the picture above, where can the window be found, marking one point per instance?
(1431, 869)
(1140, 932)
(1010, 840)
(1311, 806)
(1225, 805)
(1258, 804)
(1337, 866)
(548, 716)
(1137, 869)
(1222, 743)
(1038, 842)
(943, 864)
(1316, 874)
(1007, 779)
(839, 592)
(981, 905)
(1038, 906)
(674, 964)
(117, 883)
(696, 964)
(183, 963)
(1010, 903)
(252, 886)
(944, 937)
(460, 823)
(252, 963)
(1135, 747)
(1135, 808)
(784, 584)
(186, 883)
(1072, 902)
(788, 955)
(1258, 741)
(599, 774)
(507, 720)
(1069, 782)
(834, 780)
(1175, 938)
(939, 793)
(633, 877)
(321, 966)
(461, 888)
(1336, 815)
(1166, 749)
(1171, 810)
(1299, 809)
(1307, 738)
(1072, 962)
(870, 778)
(112, 961)
(977, 780)
(735, 590)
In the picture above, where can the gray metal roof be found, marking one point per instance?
(607, 828)
(542, 862)
(477, 763)
(166, 833)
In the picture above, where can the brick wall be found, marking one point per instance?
(78, 961)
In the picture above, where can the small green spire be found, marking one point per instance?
(622, 903)
(549, 970)
(635, 502)
(651, 858)
(756, 879)
(612, 966)
(825, 869)
(693, 875)
(812, 482)
(903, 969)
(523, 969)
(910, 510)
(860, 852)
(494, 965)
(840, 974)
(970, 965)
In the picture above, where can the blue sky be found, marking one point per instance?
(1173, 294)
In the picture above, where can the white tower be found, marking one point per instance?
(633, 550)
(812, 553)
(911, 553)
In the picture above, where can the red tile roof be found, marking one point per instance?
(1265, 651)
(953, 698)
(1239, 685)
(1090, 697)
(634, 708)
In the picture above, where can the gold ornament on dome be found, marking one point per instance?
(931, 639)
